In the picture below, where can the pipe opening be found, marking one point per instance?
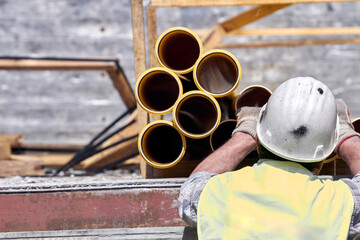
(179, 50)
(217, 73)
(198, 149)
(356, 124)
(197, 114)
(254, 96)
(158, 91)
(222, 134)
(162, 144)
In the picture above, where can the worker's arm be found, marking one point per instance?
(242, 142)
(348, 147)
(228, 156)
(225, 159)
(349, 151)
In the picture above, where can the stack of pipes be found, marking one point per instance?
(199, 89)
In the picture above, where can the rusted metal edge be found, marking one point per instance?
(117, 233)
(108, 185)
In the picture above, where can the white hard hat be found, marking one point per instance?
(299, 122)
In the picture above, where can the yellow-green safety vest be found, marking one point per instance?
(274, 200)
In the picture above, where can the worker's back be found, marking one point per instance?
(274, 200)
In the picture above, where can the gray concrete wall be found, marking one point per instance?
(71, 106)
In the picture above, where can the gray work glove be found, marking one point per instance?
(346, 128)
(246, 121)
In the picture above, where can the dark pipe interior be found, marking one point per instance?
(197, 115)
(222, 134)
(198, 149)
(159, 91)
(162, 144)
(357, 125)
(253, 97)
(217, 73)
(179, 50)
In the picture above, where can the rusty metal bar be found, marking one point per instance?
(46, 207)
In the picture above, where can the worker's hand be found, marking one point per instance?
(346, 128)
(246, 120)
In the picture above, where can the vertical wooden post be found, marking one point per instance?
(140, 66)
(152, 34)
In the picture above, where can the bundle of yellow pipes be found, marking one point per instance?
(199, 89)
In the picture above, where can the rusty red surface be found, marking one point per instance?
(89, 209)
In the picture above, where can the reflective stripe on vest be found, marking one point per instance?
(274, 200)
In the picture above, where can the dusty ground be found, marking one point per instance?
(73, 177)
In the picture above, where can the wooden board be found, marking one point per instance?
(308, 42)
(296, 31)
(138, 27)
(217, 32)
(5, 151)
(14, 139)
(21, 166)
(204, 3)
(39, 64)
(120, 82)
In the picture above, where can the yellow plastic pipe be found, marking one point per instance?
(217, 72)
(196, 114)
(252, 96)
(157, 90)
(161, 145)
(178, 49)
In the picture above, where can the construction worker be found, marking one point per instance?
(280, 197)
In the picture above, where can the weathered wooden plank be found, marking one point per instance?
(49, 147)
(307, 42)
(117, 76)
(138, 27)
(40, 64)
(204, 3)
(217, 32)
(250, 16)
(297, 31)
(5, 150)
(54, 160)
(288, 31)
(213, 37)
(14, 139)
(152, 34)
(22, 166)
